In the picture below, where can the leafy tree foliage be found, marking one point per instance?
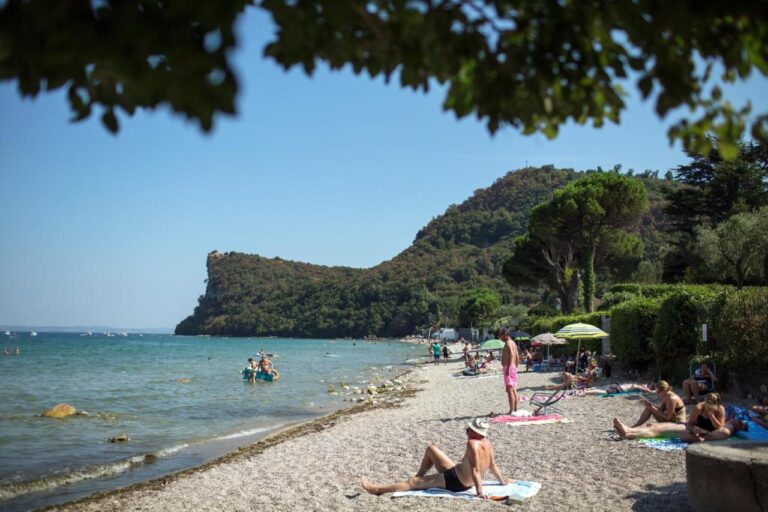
(479, 307)
(584, 222)
(712, 191)
(737, 246)
(533, 66)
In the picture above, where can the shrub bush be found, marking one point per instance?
(739, 341)
(677, 335)
(632, 327)
(613, 299)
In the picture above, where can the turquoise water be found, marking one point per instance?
(181, 400)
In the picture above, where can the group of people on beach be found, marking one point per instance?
(707, 422)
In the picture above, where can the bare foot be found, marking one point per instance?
(369, 487)
(619, 428)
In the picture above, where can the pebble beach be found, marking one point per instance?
(318, 465)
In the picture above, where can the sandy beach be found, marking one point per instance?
(318, 465)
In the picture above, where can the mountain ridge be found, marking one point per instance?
(464, 248)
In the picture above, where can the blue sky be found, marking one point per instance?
(333, 170)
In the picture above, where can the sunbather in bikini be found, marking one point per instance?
(617, 389)
(670, 416)
(708, 422)
(576, 381)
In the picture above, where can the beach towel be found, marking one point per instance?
(754, 431)
(624, 393)
(480, 376)
(516, 490)
(665, 444)
(516, 421)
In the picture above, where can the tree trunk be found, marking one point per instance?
(589, 279)
(573, 290)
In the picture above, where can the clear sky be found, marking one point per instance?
(333, 170)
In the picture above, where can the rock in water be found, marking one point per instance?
(119, 438)
(60, 411)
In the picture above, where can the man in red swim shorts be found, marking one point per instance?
(509, 361)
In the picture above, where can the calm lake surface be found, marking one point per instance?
(181, 400)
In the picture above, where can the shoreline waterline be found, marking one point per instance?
(265, 441)
(180, 401)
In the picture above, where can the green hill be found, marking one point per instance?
(465, 248)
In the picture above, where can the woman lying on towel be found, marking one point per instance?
(708, 422)
(577, 381)
(618, 389)
(669, 414)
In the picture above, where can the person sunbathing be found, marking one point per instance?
(708, 422)
(478, 458)
(669, 415)
(617, 389)
(576, 381)
(701, 382)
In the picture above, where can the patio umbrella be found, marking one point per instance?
(580, 332)
(492, 345)
(519, 336)
(547, 339)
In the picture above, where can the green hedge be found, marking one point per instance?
(677, 334)
(739, 340)
(632, 327)
(643, 290)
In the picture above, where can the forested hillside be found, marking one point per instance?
(463, 249)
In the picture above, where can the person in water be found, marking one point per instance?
(478, 458)
(250, 369)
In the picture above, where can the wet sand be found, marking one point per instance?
(318, 465)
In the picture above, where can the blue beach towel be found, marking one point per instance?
(621, 393)
(754, 431)
(516, 490)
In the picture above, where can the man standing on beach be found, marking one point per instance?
(509, 361)
(478, 458)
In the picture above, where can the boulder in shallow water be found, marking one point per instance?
(119, 438)
(183, 380)
(60, 411)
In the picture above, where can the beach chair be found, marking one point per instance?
(543, 401)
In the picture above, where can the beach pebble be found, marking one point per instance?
(60, 411)
(331, 388)
(371, 390)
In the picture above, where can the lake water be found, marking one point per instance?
(181, 400)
